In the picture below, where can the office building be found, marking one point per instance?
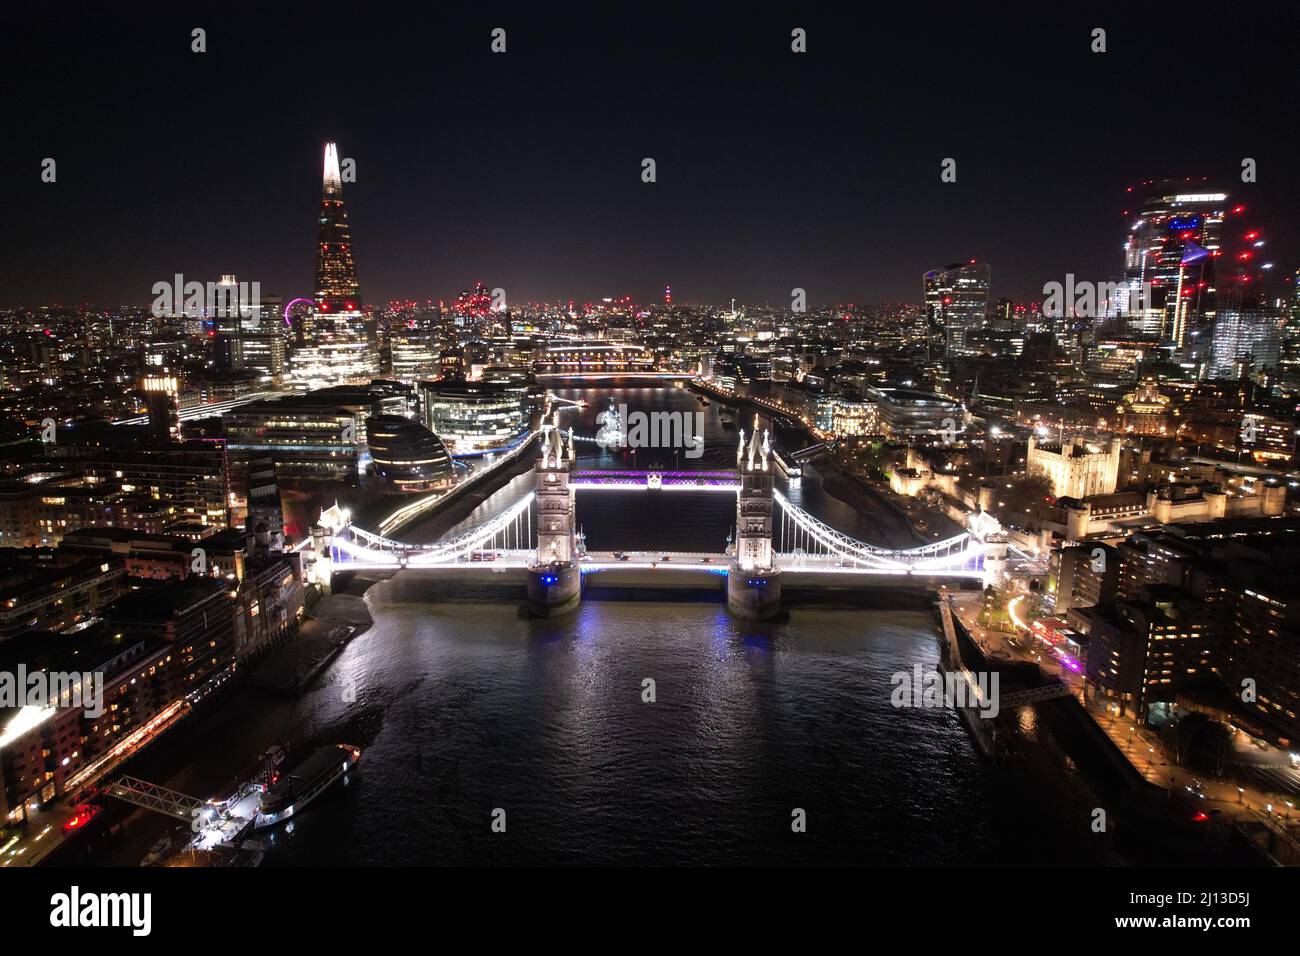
(956, 301)
(474, 417)
(407, 454)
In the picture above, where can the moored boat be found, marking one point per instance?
(289, 793)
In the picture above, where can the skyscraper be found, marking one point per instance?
(162, 395)
(956, 301)
(227, 326)
(1290, 358)
(339, 342)
(1248, 325)
(1175, 229)
(1247, 338)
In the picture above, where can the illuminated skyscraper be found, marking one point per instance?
(414, 356)
(337, 289)
(1246, 339)
(956, 301)
(339, 342)
(1290, 358)
(1175, 229)
(226, 328)
(472, 307)
(1248, 325)
(162, 394)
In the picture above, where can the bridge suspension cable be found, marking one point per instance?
(801, 533)
(509, 530)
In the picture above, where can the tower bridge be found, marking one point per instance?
(537, 538)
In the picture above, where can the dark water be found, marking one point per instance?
(546, 720)
(464, 705)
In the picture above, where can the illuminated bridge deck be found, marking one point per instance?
(664, 480)
(802, 545)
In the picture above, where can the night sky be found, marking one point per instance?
(523, 170)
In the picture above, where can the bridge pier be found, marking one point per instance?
(753, 595)
(554, 589)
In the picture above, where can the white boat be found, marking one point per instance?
(289, 793)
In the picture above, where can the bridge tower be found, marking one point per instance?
(987, 531)
(333, 521)
(554, 577)
(753, 582)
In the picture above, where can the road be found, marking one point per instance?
(1144, 749)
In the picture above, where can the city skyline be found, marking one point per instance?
(663, 436)
(529, 185)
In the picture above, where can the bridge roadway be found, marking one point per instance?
(795, 568)
(804, 544)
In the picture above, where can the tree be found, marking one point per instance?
(1024, 500)
(994, 610)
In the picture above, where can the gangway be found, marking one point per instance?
(153, 797)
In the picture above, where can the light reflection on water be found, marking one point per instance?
(464, 704)
(546, 719)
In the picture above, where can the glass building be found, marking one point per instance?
(909, 413)
(956, 302)
(407, 454)
(415, 356)
(1175, 233)
(339, 341)
(262, 353)
(474, 417)
(1245, 338)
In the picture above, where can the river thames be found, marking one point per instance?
(465, 705)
